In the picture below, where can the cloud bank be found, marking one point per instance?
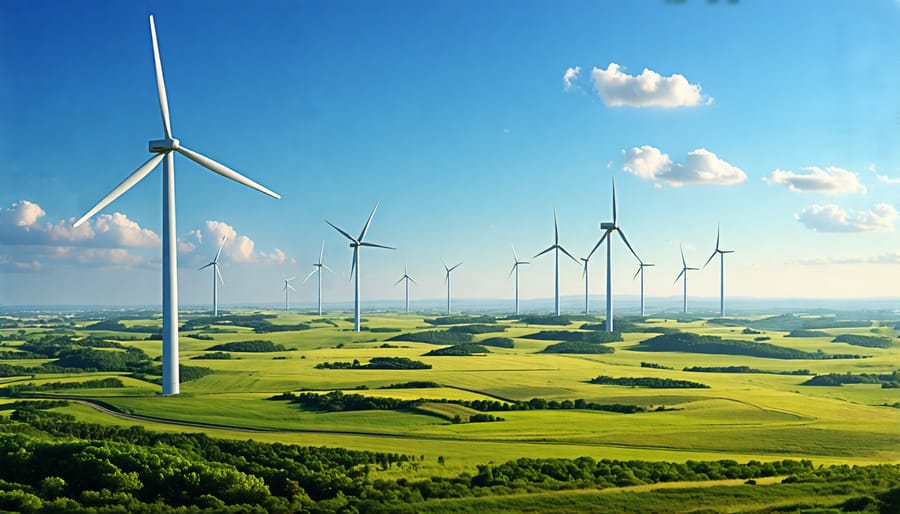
(649, 89)
(699, 167)
(833, 218)
(830, 181)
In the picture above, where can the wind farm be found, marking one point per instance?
(388, 385)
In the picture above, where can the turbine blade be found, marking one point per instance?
(615, 210)
(679, 276)
(411, 280)
(366, 227)
(322, 253)
(204, 267)
(348, 236)
(160, 83)
(311, 273)
(545, 251)
(638, 272)
(600, 242)
(511, 270)
(291, 287)
(646, 264)
(454, 267)
(629, 245)
(220, 249)
(515, 255)
(223, 170)
(126, 184)
(555, 228)
(584, 271)
(401, 280)
(444, 263)
(683, 263)
(289, 279)
(219, 274)
(329, 269)
(353, 266)
(710, 258)
(373, 245)
(569, 254)
(718, 227)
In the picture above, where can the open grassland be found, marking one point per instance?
(741, 416)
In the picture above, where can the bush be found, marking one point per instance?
(255, 346)
(213, 356)
(478, 329)
(443, 337)
(577, 347)
(498, 342)
(866, 341)
(651, 382)
(459, 350)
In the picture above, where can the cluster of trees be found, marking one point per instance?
(258, 322)
(577, 347)
(480, 328)
(442, 337)
(498, 342)
(629, 326)
(416, 384)
(213, 356)
(459, 320)
(887, 381)
(793, 322)
(575, 337)
(743, 369)
(337, 401)
(102, 383)
(695, 343)
(376, 363)
(542, 404)
(256, 346)
(866, 341)
(651, 382)
(808, 333)
(459, 350)
(115, 325)
(654, 365)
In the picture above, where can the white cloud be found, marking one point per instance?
(831, 181)
(21, 214)
(700, 167)
(570, 77)
(832, 218)
(888, 180)
(649, 89)
(885, 258)
(205, 243)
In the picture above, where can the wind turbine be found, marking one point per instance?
(684, 270)
(216, 274)
(515, 268)
(317, 267)
(163, 150)
(447, 281)
(556, 246)
(640, 271)
(408, 279)
(721, 272)
(356, 243)
(611, 227)
(586, 277)
(287, 289)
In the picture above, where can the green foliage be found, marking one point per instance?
(838, 379)
(103, 383)
(743, 369)
(458, 320)
(188, 373)
(459, 350)
(255, 346)
(866, 341)
(377, 363)
(545, 319)
(572, 336)
(258, 322)
(808, 333)
(213, 355)
(101, 360)
(383, 330)
(651, 382)
(442, 337)
(498, 342)
(793, 322)
(654, 365)
(577, 347)
(625, 326)
(694, 343)
(749, 330)
(419, 384)
(337, 401)
(478, 328)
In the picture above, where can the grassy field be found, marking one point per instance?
(741, 416)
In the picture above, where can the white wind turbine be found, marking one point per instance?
(721, 272)
(217, 275)
(515, 268)
(447, 281)
(611, 227)
(684, 270)
(556, 246)
(640, 271)
(163, 150)
(356, 243)
(287, 289)
(586, 276)
(317, 267)
(408, 279)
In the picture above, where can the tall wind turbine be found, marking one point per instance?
(609, 228)
(447, 281)
(684, 270)
(721, 272)
(585, 275)
(287, 289)
(356, 243)
(163, 152)
(556, 246)
(640, 271)
(408, 279)
(217, 275)
(317, 267)
(515, 268)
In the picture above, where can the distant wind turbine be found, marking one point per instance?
(640, 271)
(217, 275)
(515, 268)
(356, 243)
(317, 267)
(684, 270)
(556, 246)
(408, 279)
(721, 272)
(287, 289)
(447, 281)
(611, 227)
(163, 150)
(586, 277)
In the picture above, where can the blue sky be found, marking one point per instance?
(779, 120)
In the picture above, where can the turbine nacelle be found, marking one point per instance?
(163, 145)
(608, 225)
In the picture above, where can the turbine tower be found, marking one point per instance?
(447, 281)
(515, 268)
(163, 150)
(556, 246)
(287, 289)
(408, 279)
(356, 243)
(609, 228)
(586, 277)
(640, 271)
(721, 272)
(684, 270)
(317, 267)
(216, 275)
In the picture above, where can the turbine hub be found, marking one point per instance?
(163, 145)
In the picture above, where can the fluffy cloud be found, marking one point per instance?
(832, 218)
(700, 167)
(831, 181)
(885, 258)
(570, 77)
(238, 248)
(21, 214)
(649, 89)
(888, 180)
